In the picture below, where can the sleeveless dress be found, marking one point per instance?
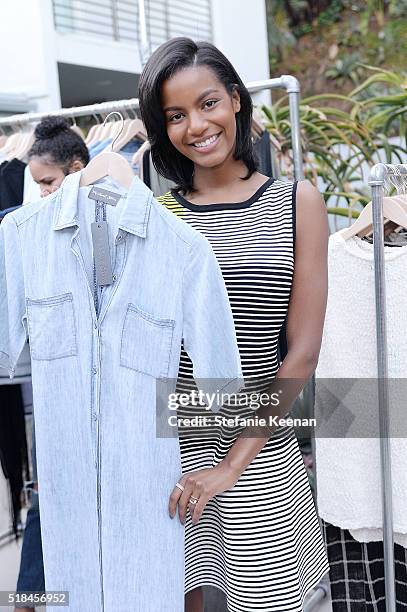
(259, 542)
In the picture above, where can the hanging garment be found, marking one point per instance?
(157, 183)
(5, 212)
(11, 183)
(357, 573)
(347, 435)
(104, 473)
(395, 238)
(260, 542)
(98, 147)
(31, 572)
(262, 148)
(13, 447)
(13, 443)
(32, 191)
(128, 151)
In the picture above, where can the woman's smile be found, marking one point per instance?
(208, 144)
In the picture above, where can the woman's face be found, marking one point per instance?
(50, 176)
(200, 116)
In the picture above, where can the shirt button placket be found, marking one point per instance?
(95, 394)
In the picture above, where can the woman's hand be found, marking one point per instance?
(202, 485)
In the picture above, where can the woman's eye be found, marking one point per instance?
(210, 103)
(175, 117)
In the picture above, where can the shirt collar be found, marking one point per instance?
(134, 215)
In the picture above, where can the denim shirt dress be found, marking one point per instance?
(104, 474)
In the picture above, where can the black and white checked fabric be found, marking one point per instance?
(357, 573)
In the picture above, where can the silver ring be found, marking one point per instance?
(193, 500)
(180, 487)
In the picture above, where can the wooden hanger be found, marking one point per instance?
(12, 143)
(75, 127)
(108, 164)
(100, 133)
(401, 200)
(134, 128)
(138, 155)
(91, 136)
(394, 209)
(24, 145)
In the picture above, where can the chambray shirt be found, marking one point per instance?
(104, 474)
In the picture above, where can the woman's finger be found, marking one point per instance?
(172, 503)
(184, 500)
(195, 497)
(175, 496)
(199, 508)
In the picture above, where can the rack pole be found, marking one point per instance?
(286, 81)
(292, 86)
(376, 182)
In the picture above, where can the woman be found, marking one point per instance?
(56, 152)
(251, 526)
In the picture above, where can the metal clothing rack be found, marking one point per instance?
(378, 176)
(287, 82)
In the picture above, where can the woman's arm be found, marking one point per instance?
(305, 320)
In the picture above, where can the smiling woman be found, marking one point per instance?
(250, 524)
(201, 103)
(206, 132)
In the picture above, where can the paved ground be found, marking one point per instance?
(9, 564)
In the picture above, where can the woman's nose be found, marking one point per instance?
(197, 124)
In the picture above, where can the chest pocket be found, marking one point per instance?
(51, 327)
(146, 342)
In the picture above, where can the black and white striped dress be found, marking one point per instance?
(259, 542)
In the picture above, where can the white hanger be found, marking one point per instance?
(108, 164)
(134, 128)
(25, 145)
(13, 141)
(394, 209)
(138, 155)
(91, 137)
(75, 127)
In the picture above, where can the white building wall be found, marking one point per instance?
(27, 52)
(31, 48)
(97, 52)
(240, 31)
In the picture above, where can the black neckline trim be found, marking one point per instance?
(222, 206)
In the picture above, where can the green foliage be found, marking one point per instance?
(346, 68)
(374, 111)
(301, 13)
(380, 23)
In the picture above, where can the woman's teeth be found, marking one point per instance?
(207, 142)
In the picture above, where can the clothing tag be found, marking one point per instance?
(101, 253)
(104, 195)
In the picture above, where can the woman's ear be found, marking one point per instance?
(76, 166)
(236, 98)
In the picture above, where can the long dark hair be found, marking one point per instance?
(170, 57)
(58, 144)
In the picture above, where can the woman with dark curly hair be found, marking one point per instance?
(251, 528)
(57, 151)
